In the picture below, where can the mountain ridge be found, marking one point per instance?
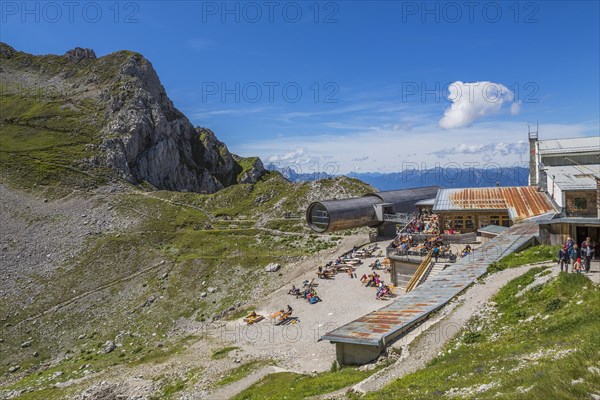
(120, 114)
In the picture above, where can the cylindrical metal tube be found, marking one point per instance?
(334, 215)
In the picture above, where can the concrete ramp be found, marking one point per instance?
(364, 339)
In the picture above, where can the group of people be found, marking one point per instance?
(374, 280)
(421, 225)
(405, 243)
(579, 257)
(309, 294)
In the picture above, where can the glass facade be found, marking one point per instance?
(318, 218)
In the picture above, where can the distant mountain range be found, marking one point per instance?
(293, 176)
(445, 177)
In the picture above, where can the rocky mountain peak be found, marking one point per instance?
(78, 53)
(137, 131)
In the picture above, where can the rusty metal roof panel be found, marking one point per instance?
(519, 201)
(526, 201)
(386, 324)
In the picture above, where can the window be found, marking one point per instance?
(318, 218)
(580, 203)
(469, 222)
(458, 222)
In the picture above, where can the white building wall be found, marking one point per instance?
(555, 192)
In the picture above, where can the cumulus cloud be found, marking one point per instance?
(300, 160)
(492, 149)
(474, 100)
(297, 156)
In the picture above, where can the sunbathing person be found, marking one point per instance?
(295, 291)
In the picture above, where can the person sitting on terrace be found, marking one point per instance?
(435, 253)
(294, 291)
(451, 257)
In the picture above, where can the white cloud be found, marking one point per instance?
(474, 100)
(491, 149)
(390, 150)
(201, 115)
(515, 108)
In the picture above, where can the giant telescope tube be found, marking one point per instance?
(335, 215)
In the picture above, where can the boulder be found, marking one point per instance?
(109, 346)
(273, 267)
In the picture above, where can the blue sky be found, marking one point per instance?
(349, 85)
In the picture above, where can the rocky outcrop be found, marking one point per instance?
(141, 136)
(77, 54)
(148, 139)
(253, 173)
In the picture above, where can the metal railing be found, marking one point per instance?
(418, 275)
(400, 217)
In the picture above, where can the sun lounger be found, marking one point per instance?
(277, 314)
(251, 319)
(325, 275)
(283, 317)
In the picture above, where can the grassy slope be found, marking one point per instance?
(171, 229)
(296, 386)
(45, 133)
(528, 256)
(497, 352)
(46, 128)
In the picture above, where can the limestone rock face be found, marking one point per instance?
(256, 170)
(140, 134)
(148, 139)
(77, 54)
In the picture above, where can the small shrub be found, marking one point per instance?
(536, 289)
(553, 305)
(471, 337)
(222, 353)
(520, 314)
(334, 366)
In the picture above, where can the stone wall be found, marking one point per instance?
(590, 197)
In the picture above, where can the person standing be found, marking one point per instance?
(563, 259)
(587, 250)
(569, 244)
(577, 267)
(574, 253)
